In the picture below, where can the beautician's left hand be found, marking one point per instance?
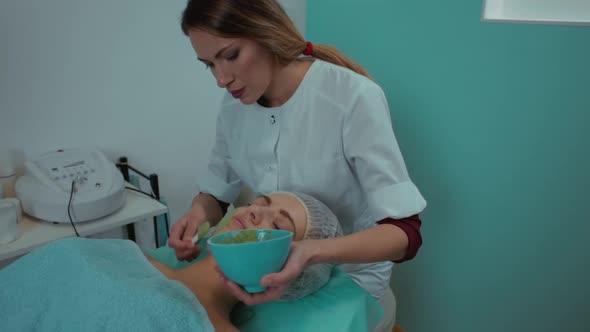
(276, 283)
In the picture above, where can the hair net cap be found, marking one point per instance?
(321, 224)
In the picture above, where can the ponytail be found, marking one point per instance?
(332, 55)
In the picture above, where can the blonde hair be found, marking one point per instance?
(263, 21)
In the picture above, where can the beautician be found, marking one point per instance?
(301, 117)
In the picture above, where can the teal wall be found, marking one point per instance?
(494, 123)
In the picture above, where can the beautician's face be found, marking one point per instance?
(241, 66)
(276, 211)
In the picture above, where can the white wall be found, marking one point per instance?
(119, 75)
(297, 10)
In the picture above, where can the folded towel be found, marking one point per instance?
(94, 285)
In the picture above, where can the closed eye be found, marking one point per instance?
(208, 65)
(233, 56)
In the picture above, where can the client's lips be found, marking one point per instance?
(237, 93)
(238, 222)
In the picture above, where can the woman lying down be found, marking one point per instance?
(109, 285)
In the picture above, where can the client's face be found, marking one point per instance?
(276, 211)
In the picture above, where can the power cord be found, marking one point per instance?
(69, 207)
(128, 188)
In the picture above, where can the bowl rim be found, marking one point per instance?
(281, 237)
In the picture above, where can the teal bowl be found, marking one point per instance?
(246, 263)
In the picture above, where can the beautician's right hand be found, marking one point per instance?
(182, 233)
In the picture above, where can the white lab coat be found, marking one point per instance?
(333, 139)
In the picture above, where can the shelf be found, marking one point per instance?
(563, 12)
(35, 232)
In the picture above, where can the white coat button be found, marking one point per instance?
(273, 120)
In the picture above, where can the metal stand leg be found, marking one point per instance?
(155, 186)
(124, 167)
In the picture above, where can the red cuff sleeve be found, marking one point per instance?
(411, 226)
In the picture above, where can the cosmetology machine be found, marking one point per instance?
(72, 185)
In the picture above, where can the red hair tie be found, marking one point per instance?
(308, 49)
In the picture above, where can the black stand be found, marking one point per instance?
(124, 167)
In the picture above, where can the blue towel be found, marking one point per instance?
(94, 285)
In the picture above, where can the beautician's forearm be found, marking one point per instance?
(207, 205)
(376, 244)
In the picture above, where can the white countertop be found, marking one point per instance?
(35, 232)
